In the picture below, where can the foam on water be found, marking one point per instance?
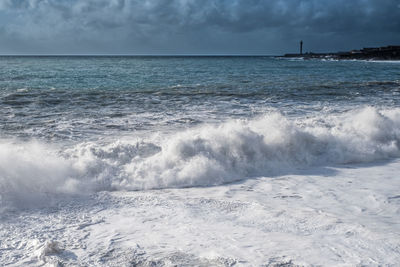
(31, 173)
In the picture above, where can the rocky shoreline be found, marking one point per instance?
(391, 52)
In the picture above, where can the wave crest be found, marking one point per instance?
(203, 156)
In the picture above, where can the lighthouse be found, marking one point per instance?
(301, 47)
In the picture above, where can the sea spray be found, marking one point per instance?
(207, 155)
(267, 146)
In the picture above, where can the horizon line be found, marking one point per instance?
(136, 55)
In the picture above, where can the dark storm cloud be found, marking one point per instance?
(195, 26)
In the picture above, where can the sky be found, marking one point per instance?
(170, 27)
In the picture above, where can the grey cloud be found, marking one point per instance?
(184, 26)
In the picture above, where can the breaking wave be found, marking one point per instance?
(31, 172)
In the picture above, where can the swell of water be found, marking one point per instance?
(82, 98)
(33, 173)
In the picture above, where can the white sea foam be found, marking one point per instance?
(266, 146)
(32, 173)
(203, 156)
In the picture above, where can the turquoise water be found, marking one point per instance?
(132, 123)
(78, 98)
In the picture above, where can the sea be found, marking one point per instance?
(199, 161)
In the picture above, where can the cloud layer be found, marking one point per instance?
(194, 26)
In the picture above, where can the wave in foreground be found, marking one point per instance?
(31, 173)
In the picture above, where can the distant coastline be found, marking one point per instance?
(391, 52)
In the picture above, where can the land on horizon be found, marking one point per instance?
(390, 52)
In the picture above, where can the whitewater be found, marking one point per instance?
(199, 161)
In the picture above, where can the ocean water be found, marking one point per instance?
(87, 130)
